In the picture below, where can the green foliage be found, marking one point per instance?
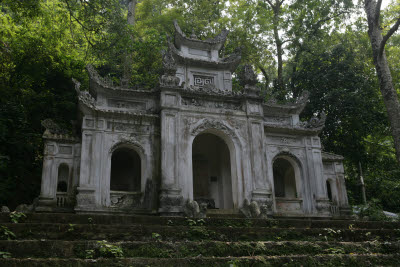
(108, 250)
(195, 222)
(71, 228)
(103, 249)
(89, 254)
(6, 233)
(156, 236)
(17, 217)
(372, 211)
(5, 255)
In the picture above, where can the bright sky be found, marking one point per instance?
(385, 3)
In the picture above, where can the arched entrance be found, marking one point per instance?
(125, 170)
(212, 179)
(329, 190)
(63, 178)
(287, 185)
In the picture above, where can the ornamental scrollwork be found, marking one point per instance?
(213, 124)
(84, 96)
(315, 122)
(52, 127)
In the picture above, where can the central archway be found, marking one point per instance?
(212, 179)
(125, 170)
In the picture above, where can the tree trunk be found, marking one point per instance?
(388, 91)
(131, 12)
(276, 8)
(128, 57)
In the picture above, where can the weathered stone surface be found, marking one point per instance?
(191, 138)
(24, 208)
(5, 209)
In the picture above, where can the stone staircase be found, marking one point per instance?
(116, 240)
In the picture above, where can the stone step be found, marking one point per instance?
(213, 221)
(161, 249)
(293, 260)
(140, 232)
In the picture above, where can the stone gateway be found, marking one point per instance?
(191, 142)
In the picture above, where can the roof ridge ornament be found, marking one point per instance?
(84, 96)
(169, 67)
(315, 122)
(248, 79)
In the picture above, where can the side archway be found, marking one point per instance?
(127, 166)
(63, 178)
(288, 184)
(125, 170)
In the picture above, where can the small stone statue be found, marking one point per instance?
(192, 209)
(203, 210)
(253, 210)
(263, 212)
(245, 209)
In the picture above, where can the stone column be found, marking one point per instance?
(47, 198)
(314, 157)
(171, 199)
(85, 199)
(261, 190)
(344, 207)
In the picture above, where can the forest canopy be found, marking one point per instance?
(295, 45)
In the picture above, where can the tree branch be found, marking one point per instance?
(387, 36)
(288, 40)
(270, 3)
(83, 27)
(377, 11)
(319, 22)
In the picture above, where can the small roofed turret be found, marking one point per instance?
(198, 61)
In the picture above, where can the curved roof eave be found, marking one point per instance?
(225, 63)
(210, 44)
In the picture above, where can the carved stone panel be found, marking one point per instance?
(199, 52)
(65, 150)
(170, 99)
(119, 103)
(187, 101)
(278, 120)
(284, 140)
(328, 167)
(49, 149)
(133, 126)
(89, 123)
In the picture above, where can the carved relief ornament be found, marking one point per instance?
(213, 124)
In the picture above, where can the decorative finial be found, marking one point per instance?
(193, 36)
(169, 67)
(249, 77)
